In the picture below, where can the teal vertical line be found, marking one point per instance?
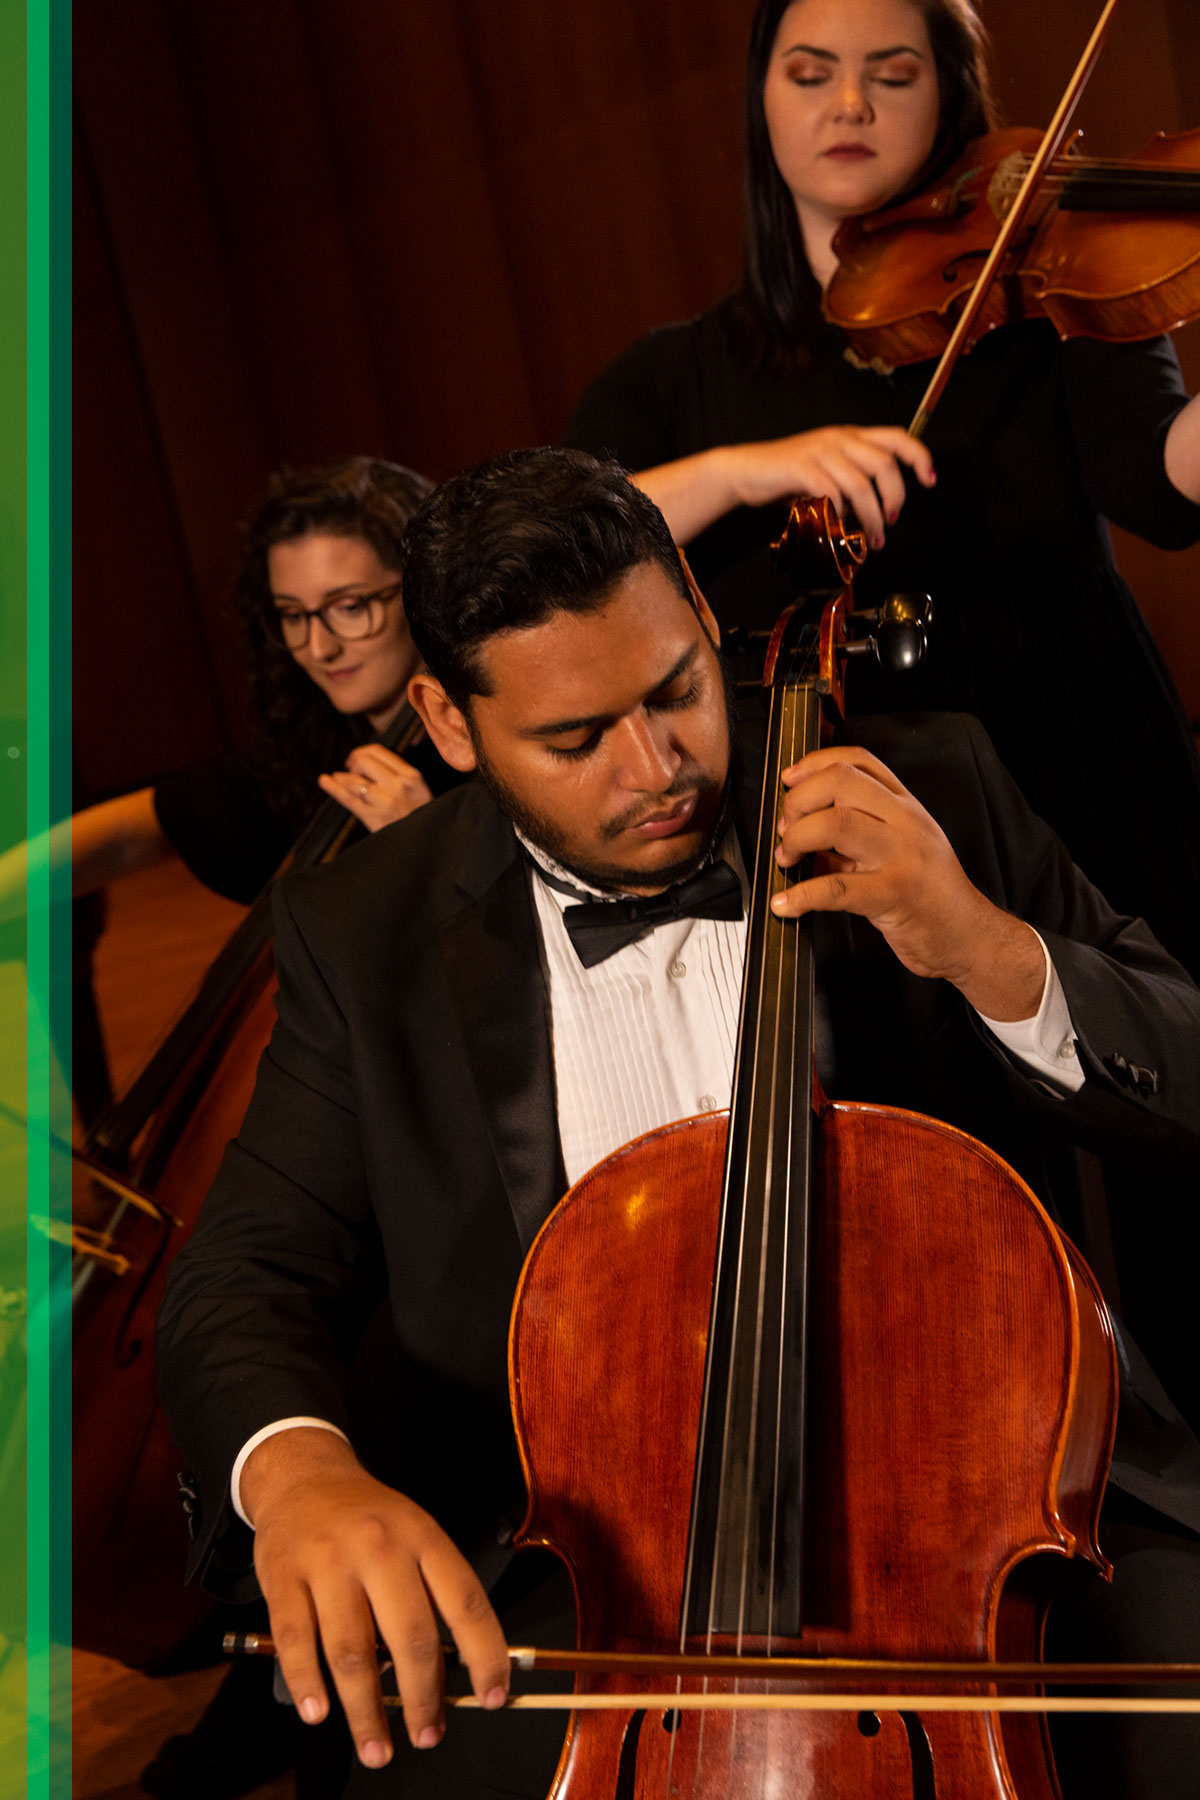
(13, 1163)
(37, 1713)
(48, 945)
(59, 961)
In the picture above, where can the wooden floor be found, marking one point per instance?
(163, 929)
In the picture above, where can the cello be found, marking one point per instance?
(847, 1390)
(147, 1165)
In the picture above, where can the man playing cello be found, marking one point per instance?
(447, 1060)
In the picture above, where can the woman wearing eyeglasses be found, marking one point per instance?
(330, 657)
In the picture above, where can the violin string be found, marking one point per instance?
(1067, 172)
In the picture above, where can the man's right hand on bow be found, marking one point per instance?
(346, 1561)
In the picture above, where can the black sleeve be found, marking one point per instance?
(1135, 1010)
(628, 411)
(1122, 399)
(218, 818)
(284, 1267)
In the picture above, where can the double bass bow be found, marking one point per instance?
(816, 1379)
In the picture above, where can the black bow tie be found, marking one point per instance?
(599, 928)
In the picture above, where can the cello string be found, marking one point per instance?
(776, 960)
(781, 750)
(780, 948)
(770, 984)
(796, 712)
(750, 1027)
(746, 1028)
(782, 736)
(739, 1277)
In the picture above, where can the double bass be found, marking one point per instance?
(147, 1165)
(813, 1378)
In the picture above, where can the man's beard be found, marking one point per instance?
(547, 837)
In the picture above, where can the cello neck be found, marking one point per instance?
(744, 1563)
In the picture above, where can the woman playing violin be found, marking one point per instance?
(1000, 515)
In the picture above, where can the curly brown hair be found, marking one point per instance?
(301, 734)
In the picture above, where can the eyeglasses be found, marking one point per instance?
(354, 616)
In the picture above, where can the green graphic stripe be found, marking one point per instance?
(13, 1283)
(48, 939)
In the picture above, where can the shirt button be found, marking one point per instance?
(708, 1103)
(1067, 1048)
(677, 969)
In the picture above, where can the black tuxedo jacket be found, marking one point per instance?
(401, 1138)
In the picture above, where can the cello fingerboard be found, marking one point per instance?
(744, 1553)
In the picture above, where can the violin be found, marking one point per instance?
(1110, 249)
(147, 1166)
(1015, 209)
(811, 1379)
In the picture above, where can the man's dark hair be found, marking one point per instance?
(503, 545)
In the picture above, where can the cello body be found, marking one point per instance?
(812, 1378)
(964, 1401)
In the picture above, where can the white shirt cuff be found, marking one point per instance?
(1045, 1043)
(260, 1437)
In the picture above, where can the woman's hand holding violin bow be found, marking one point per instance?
(860, 467)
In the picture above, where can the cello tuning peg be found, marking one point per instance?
(901, 631)
(740, 637)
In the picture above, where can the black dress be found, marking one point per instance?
(1035, 444)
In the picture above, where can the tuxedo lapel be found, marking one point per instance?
(490, 951)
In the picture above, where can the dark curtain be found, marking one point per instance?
(413, 228)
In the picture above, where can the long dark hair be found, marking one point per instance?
(301, 734)
(778, 304)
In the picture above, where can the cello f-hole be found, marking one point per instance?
(921, 1751)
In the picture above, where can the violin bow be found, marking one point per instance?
(1049, 147)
